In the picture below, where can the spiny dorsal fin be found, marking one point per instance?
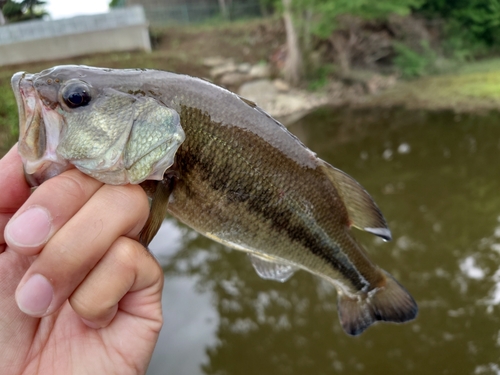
(269, 269)
(363, 212)
(247, 101)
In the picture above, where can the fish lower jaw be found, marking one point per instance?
(109, 176)
(40, 171)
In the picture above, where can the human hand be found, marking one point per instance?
(69, 264)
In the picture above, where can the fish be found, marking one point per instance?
(218, 163)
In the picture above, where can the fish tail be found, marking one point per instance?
(390, 303)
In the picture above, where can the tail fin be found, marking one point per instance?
(391, 303)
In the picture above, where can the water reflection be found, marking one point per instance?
(435, 176)
(190, 319)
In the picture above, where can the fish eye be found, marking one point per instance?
(76, 95)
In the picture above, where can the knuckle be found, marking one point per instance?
(89, 308)
(71, 184)
(132, 201)
(132, 258)
(125, 253)
(129, 196)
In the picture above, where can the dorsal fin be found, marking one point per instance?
(363, 212)
(248, 102)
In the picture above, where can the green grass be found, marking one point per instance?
(473, 87)
(8, 116)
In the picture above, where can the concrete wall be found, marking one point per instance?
(123, 29)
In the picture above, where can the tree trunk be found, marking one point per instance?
(293, 68)
(343, 47)
(2, 18)
(308, 21)
(342, 54)
(223, 9)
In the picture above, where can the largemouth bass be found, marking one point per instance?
(224, 167)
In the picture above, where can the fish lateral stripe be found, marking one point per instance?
(241, 177)
(257, 193)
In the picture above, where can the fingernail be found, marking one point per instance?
(35, 295)
(29, 229)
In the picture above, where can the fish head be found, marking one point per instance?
(97, 120)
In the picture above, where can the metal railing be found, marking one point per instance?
(187, 13)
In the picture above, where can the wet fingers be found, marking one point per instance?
(75, 249)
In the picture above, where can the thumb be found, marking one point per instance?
(15, 190)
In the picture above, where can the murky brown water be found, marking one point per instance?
(436, 178)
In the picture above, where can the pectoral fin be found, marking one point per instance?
(158, 210)
(363, 212)
(271, 269)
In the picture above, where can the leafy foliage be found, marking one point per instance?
(16, 11)
(471, 23)
(8, 116)
(414, 63)
(320, 77)
(116, 3)
(327, 11)
(12, 10)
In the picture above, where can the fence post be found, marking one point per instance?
(185, 13)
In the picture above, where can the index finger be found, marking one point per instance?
(14, 190)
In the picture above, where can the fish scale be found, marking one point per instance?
(206, 168)
(239, 177)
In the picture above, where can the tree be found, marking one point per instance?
(322, 17)
(116, 3)
(2, 17)
(475, 20)
(12, 11)
(15, 11)
(293, 69)
(29, 7)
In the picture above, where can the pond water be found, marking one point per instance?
(436, 178)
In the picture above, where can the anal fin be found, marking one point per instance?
(270, 269)
(363, 212)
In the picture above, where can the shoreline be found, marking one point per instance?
(474, 89)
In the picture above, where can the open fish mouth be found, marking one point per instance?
(37, 143)
(15, 83)
(113, 136)
(25, 94)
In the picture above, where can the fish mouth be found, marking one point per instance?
(31, 146)
(36, 143)
(21, 108)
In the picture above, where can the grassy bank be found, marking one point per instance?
(474, 87)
